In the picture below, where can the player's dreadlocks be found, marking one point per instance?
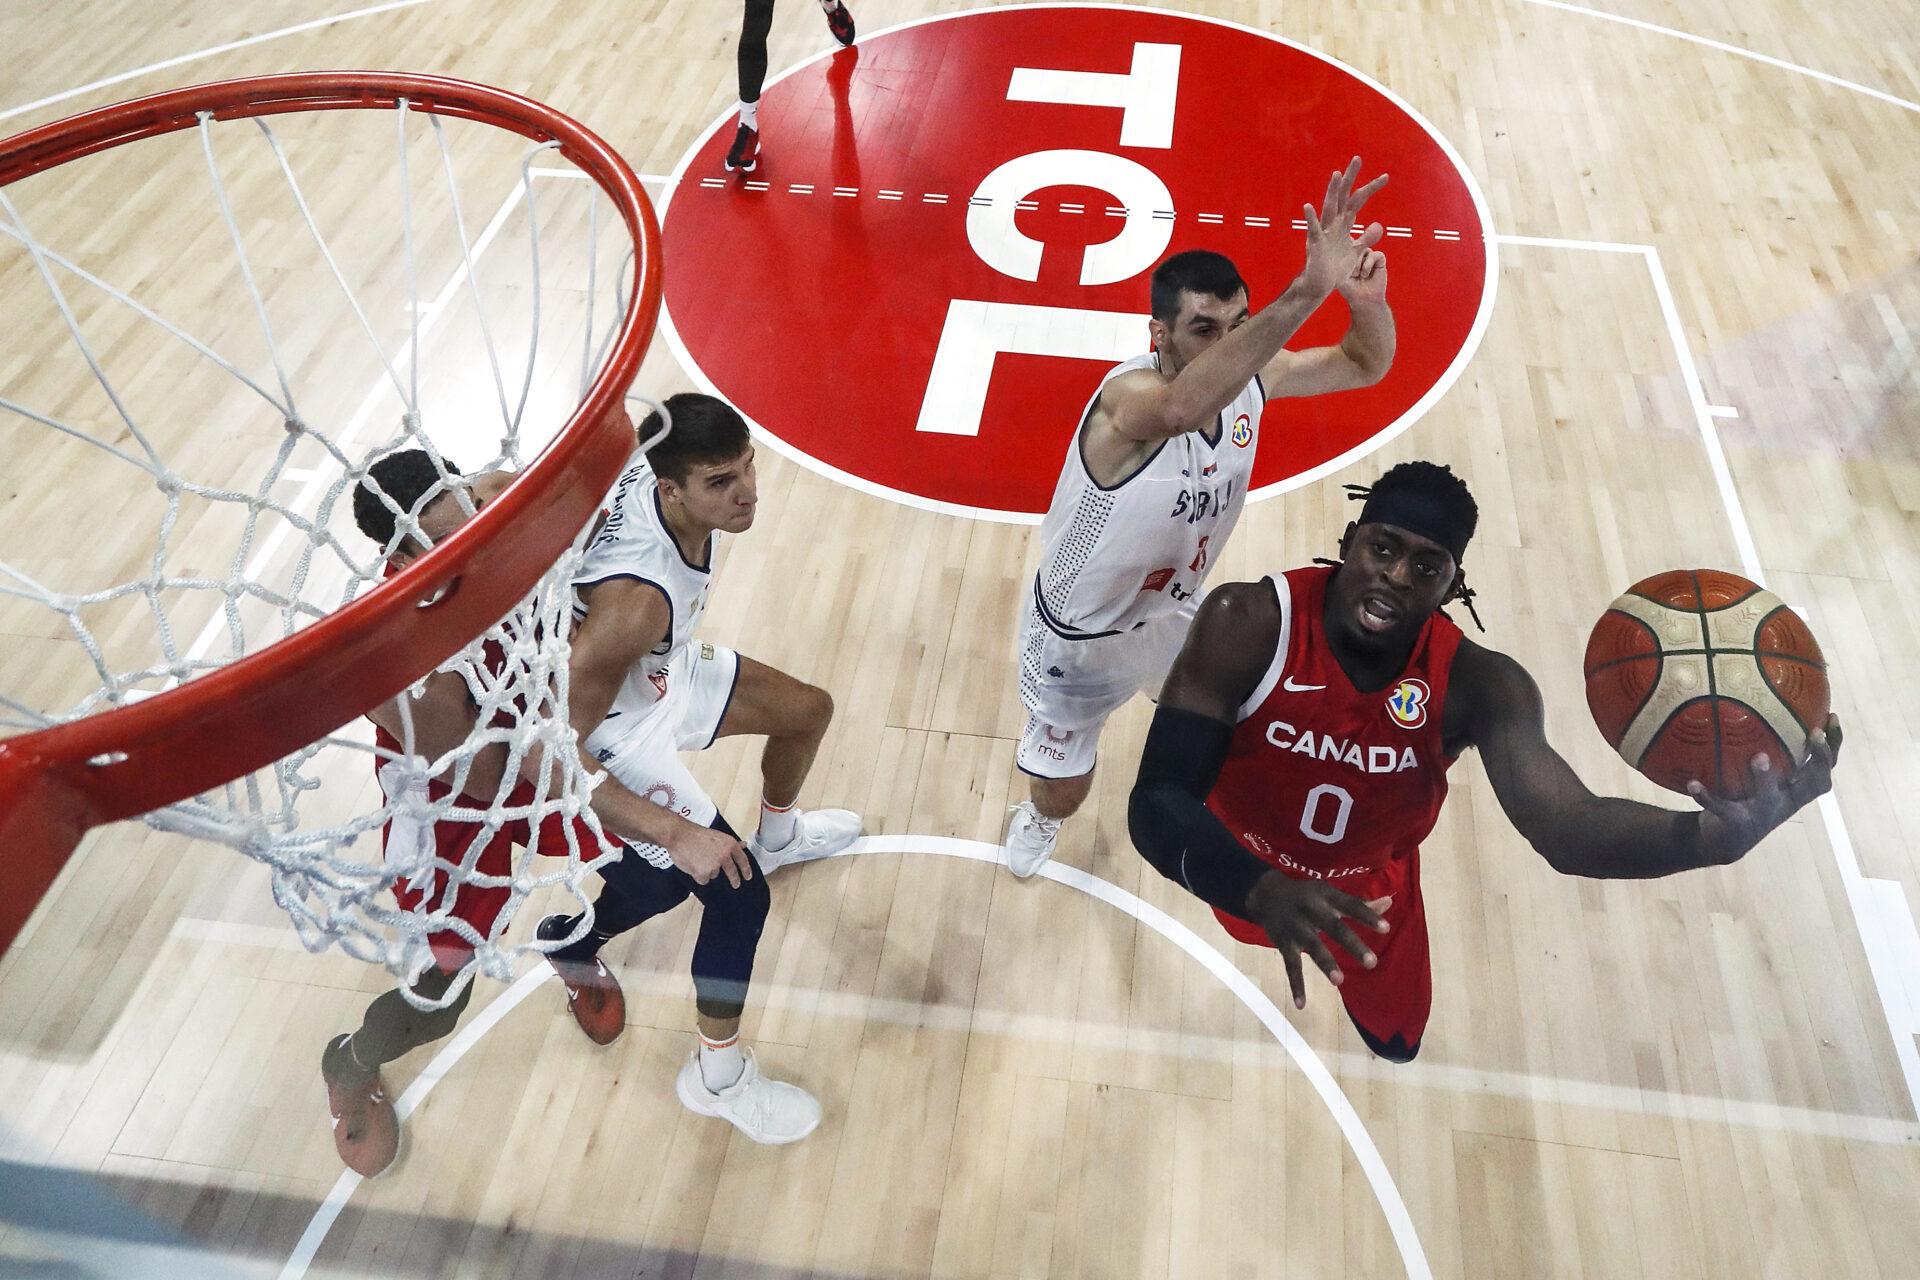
(1428, 499)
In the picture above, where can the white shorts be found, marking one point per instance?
(1070, 687)
(639, 743)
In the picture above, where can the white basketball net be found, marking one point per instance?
(284, 550)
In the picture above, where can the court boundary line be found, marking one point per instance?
(1359, 1141)
(1733, 49)
(1882, 916)
(214, 51)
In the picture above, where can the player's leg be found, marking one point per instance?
(1070, 687)
(1059, 768)
(751, 58)
(794, 716)
(1389, 1003)
(632, 891)
(722, 1078)
(366, 1131)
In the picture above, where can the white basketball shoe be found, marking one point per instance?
(820, 833)
(1030, 837)
(767, 1111)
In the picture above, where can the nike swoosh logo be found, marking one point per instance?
(1291, 687)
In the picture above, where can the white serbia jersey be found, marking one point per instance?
(1115, 558)
(634, 542)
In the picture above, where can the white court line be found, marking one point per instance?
(1399, 1222)
(1880, 909)
(185, 58)
(964, 1018)
(1735, 50)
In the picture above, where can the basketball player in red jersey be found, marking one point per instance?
(1299, 756)
(666, 859)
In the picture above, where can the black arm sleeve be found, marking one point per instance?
(1168, 818)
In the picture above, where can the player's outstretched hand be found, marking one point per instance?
(704, 853)
(1731, 827)
(1295, 913)
(1332, 250)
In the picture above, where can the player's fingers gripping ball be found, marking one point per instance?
(1693, 673)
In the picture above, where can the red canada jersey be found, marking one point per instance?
(1326, 782)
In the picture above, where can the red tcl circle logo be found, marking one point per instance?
(948, 239)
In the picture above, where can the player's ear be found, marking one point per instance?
(1157, 333)
(1346, 538)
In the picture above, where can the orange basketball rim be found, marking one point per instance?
(57, 783)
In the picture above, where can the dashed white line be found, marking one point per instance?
(1112, 210)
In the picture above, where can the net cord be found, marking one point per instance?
(332, 898)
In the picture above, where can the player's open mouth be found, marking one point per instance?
(1376, 614)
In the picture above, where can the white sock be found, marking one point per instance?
(778, 826)
(750, 114)
(828, 6)
(721, 1063)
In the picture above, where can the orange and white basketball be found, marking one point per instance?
(1692, 673)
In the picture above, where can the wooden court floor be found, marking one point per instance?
(1701, 246)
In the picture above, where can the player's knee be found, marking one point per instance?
(743, 907)
(816, 708)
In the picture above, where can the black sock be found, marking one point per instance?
(391, 1027)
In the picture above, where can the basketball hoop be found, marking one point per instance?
(148, 749)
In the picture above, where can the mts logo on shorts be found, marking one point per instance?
(949, 237)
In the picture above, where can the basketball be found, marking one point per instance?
(1694, 672)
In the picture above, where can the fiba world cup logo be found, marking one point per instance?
(1243, 431)
(1407, 704)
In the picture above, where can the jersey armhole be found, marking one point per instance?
(1283, 593)
(1080, 457)
(582, 609)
